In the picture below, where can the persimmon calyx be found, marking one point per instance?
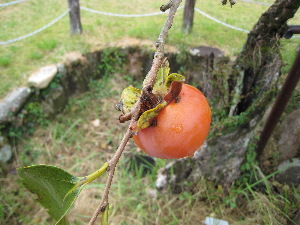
(166, 88)
(129, 97)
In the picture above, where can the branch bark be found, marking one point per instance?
(256, 66)
(147, 88)
(111, 170)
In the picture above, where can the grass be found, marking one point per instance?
(18, 60)
(73, 143)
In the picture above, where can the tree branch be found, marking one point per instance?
(111, 170)
(147, 88)
(159, 54)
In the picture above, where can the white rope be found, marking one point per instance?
(35, 32)
(259, 3)
(220, 22)
(226, 24)
(11, 3)
(121, 15)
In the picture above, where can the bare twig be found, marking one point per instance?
(165, 7)
(224, 2)
(111, 169)
(147, 88)
(232, 2)
(159, 54)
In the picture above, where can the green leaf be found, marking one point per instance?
(147, 117)
(166, 88)
(159, 86)
(129, 97)
(51, 184)
(173, 77)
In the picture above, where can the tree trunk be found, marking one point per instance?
(75, 23)
(188, 16)
(251, 87)
(280, 104)
(257, 67)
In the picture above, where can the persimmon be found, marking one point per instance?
(179, 129)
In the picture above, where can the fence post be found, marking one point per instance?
(188, 16)
(75, 23)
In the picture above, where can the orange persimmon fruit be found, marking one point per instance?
(179, 129)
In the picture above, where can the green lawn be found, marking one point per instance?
(19, 59)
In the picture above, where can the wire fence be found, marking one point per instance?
(19, 1)
(220, 22)
(36, 31)
(11, 3)
(121, 15)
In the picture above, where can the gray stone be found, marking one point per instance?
(206, 51)
(55, 101)
(75, 73)
(42, 78)
(74, 58)
(13, 102)
(161, 181)
(134, 64)
(289, 136)
(290, 172)
(5, 150)
(61, 69)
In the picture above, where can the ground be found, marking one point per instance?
(87, 134)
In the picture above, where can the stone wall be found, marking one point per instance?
(49, 88)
